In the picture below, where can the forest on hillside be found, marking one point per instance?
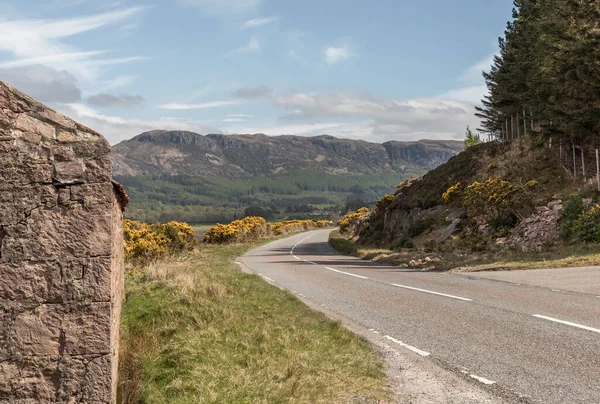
(300, 194)
(546, 77)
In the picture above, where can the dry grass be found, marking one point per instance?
(557, 257)
(197, 330)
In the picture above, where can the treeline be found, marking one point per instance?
(546, 77)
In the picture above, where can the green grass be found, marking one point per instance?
(197, 330)
(556, 257)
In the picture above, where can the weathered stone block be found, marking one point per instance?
(30, 125)
(68, 172)
(92, 194)
(98, 170)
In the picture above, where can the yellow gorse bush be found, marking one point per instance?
(350, 221)
(255, 228)
(145, 242)
(492, 199)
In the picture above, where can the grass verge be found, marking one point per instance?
(557, 257)
(197, 330)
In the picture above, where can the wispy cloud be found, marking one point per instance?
(206, 105)
(116, 129)
(39, 41)
(334, 55)
(240, 116)
(472, 74)
(115, 101)
(222, 7)
(259, 22)
(252, 46)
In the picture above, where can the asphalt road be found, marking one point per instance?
(525, 337)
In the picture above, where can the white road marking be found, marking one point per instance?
(296, 257)
(431, 292)
(482, 379)
(346, 273)
(583, 327)
(267, 278)
(410, 348)
(310, 262)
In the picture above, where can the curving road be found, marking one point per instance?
(520, 336)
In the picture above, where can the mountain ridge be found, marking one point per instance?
(243, 155)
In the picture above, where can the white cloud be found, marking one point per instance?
(240, 116)
(113, 101)
(333, 54)
(39, 41)
(425, 117)
(229, 120)
(222, 7)
(258, 22)
(117, 129)
(252, 46)
(212, 104)
(472, 94)
(43, 83)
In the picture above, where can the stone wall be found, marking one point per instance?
(61, 257)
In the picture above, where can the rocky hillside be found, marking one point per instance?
(490, 195)
(238, 156)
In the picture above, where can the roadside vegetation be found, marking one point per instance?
(195, 329)
(254, 228)
(564, 257)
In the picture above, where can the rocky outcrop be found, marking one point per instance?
(188, 153)
(61, 257)
(538, 230)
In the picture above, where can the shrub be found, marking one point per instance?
(403, 243)
(495, 200)
(256, 228)
(574, 207)
(587, 227)
(349, 222)
(144, 243)
(452, 194)
(383, 203)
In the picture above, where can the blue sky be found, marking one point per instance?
(375, 70)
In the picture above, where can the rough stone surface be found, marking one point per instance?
(61, 258)
(538, 230)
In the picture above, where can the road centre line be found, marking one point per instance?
(432, 292)
(393, 284)
(346, 273)
(410, 348)
(583, 327)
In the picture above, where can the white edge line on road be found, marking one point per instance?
(346, 273)
(267, 278)
(482, 379)
(583, 327)
(410, 348)
(310, 262)
(431, 292)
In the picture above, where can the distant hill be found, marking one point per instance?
(188, 176)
